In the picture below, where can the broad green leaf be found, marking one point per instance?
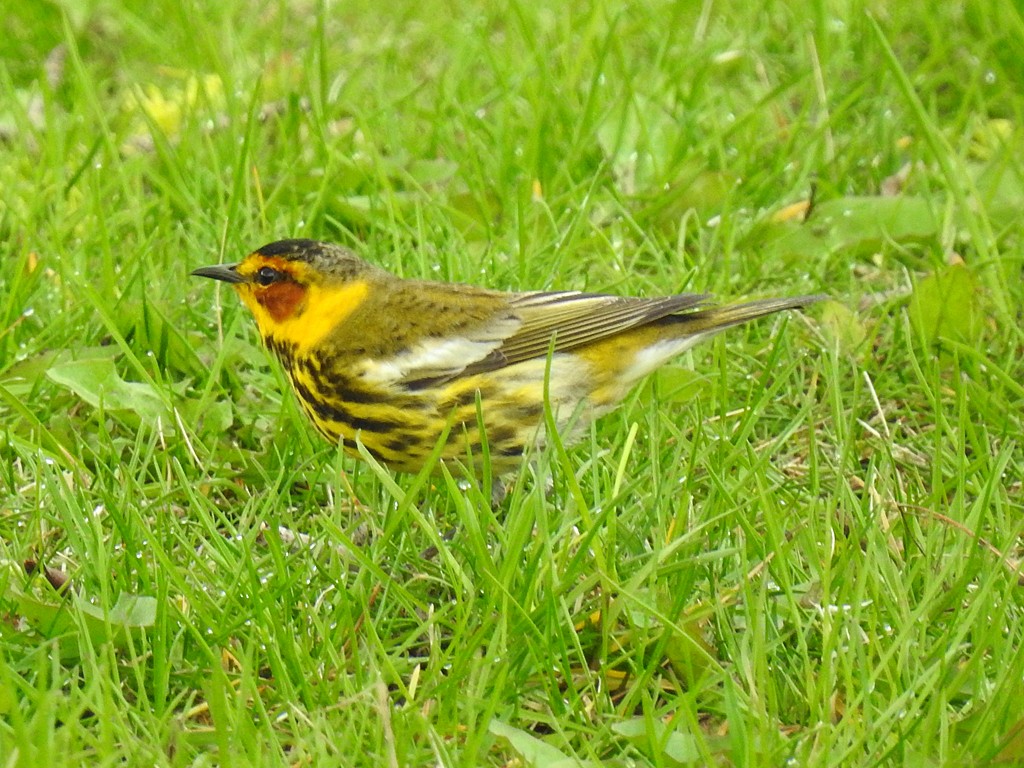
(533, 751)
(128, 612)
(861, 224)
(843, 326)
(689, 651)
(64, 618)
(208, 418)
(98, 383)
(1000, 185)
(655, 737)
(946, 305)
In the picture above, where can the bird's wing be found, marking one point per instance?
(528, 326)
(569, 319)
(471, 333)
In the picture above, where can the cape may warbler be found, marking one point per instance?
(395, 362)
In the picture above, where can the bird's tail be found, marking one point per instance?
(712, 319)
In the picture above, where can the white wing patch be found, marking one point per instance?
(437, 357)
(433, 357)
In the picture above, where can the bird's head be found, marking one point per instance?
(297, 290)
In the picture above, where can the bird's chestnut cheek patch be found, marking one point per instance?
(282, 300)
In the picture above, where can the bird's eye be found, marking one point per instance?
(267, 275)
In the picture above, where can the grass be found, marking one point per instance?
(798, 546)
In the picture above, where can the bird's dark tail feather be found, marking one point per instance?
(711, 319)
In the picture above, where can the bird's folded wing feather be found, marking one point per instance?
(574, 319)
(529, 326)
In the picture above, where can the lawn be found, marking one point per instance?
(799, 544)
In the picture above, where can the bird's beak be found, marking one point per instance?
(226, 272)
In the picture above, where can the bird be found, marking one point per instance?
(403, 365)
